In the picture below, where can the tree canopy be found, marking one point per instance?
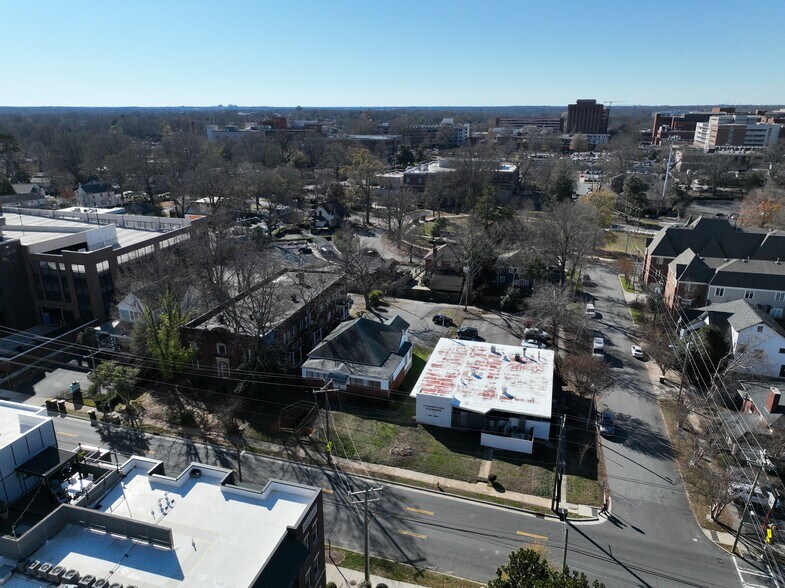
(528, 569)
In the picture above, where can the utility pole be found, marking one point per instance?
(747, 502)
(366, 499)
(559, 473)
(563, 518)
(328, 443)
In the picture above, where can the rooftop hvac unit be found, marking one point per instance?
(101, 583)
(56, 573)
(21, 564)
(87, 581)
(70, 577)
(116, 585)
(32, 568)
(43, 570)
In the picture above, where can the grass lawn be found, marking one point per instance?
(398, 442)
(528, 474)
(392, 570)
(627, 284)
(625, 241)
(682, 446)
(638, 316)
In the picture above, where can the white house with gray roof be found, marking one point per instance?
(756, 339)
(363, 353)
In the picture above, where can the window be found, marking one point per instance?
(220, 348)
(308, 579)
(776, 312)
(223, 369)
(759, 329)
(749, 294)
(502, 279)
(719, 291)
(315, 534)
(779, 296)
(658, 261)
(782, 349)
(247, 353)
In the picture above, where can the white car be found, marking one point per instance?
(637, 352)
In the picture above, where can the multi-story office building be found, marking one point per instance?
(445, 134)
(679, 127)
(587, 117)
(69, 261)
(735, 131)
(555, 124)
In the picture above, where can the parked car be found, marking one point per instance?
(606, 423)
(304, 249)
(539, 335)
(590, 312)
(442, 319)
(637, 352)
(598, 347)
(533, 344)
(468, 333)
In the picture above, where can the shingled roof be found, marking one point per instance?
(362, 341)
(711, 237)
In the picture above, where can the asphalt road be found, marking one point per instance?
(444, 533)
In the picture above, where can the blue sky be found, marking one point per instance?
(391, 52)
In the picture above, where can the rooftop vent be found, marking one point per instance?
(87, 581)
(777, 261)
(70, 577)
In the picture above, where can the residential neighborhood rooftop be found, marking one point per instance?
(482, 377)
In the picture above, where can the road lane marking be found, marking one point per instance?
(532, 535)
(327, 490)
(419, 510)
(61, 434)
(412, 534)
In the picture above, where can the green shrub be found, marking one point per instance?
(332, 585)
(375, 297)
(279, 232)
(187, 418)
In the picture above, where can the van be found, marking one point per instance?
(590, 312)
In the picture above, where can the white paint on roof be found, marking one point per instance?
(480, 380)
(222, 535)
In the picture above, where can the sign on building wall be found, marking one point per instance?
(434, 410)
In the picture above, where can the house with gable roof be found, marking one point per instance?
(98, 194)
(750, 331)
(363, 355)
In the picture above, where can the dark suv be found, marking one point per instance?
(442, 319)
(468, 333)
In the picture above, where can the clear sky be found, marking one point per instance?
(391, 52)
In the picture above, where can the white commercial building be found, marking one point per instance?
(504, 391)
(198, 528)
(735, 131)
(25, 432)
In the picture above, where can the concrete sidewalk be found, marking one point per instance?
(346, 578)
(427, 482)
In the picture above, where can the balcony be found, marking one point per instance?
(506, 434)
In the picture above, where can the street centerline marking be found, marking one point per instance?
(61, 434)
(327, 490)
(411, 534)
(419, 510)
(532, 535)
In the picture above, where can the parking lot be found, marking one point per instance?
(492, 327)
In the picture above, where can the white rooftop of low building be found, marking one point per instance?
(17, 419)
(482, 377)
(38, 228)
(222, 535)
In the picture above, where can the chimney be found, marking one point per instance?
(773, 401)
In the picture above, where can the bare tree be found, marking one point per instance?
(567, 233)
(763, 208)
(716, 485)
(551, 303)
(476, 250)
(658, 346)
(364, 268)
(69, 154)
(587, 373)
(399, 204)
(362, 171)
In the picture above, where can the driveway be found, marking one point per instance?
(47, 384)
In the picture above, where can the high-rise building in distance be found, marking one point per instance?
(587, 117)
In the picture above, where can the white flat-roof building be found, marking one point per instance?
(25, 431)
(196, 529)
(505, 391)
